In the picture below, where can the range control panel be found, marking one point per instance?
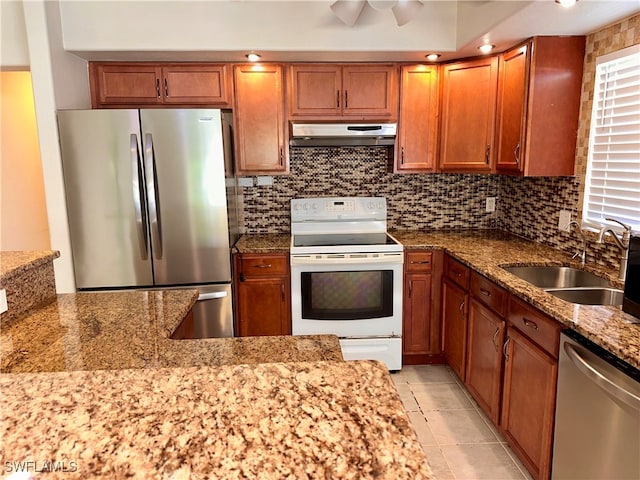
(326, 209)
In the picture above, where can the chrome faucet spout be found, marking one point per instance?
(583, 253)
(622, 242)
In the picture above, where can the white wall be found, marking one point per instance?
(14, 51)
(60, 81)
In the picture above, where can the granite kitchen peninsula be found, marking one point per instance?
(93, 383)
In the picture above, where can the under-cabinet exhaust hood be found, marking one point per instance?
(342, 134)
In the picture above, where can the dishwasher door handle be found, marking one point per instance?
(211, 295)
(606, 384)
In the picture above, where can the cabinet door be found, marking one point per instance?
(119, 84)
(416, 332)
(315, 90)
(454, 322)
(260, 129)
(484, 358)
(468, 115)
(195, 85)
(370, 91)
(512, 97)
(262, 307)
(417, 129)
(528, 402)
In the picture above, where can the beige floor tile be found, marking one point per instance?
(451, 427)
(482, 461)
(517, 462)
(420, 425)
(406, 395)
(439, 396)
(437, 463)
(427, 374)
(491, 426)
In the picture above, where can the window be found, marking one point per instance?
(612, 187)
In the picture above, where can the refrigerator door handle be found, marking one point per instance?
(211, 295)
(138, 197)
(152, 196)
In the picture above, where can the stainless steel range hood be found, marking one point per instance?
(342, 134)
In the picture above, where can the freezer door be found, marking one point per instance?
(104, 187)
(184, 163)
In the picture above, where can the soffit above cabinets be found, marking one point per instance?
(290, 31)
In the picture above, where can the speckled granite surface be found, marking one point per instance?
(341, 420)
(28, 279)
(487, 250)
(128, 330)
(275, 243)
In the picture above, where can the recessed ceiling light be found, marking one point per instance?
(567, 3)
(252, 57)
(486, 48)
(432, 57)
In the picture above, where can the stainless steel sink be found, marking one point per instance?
(589, 295)
(558, 277)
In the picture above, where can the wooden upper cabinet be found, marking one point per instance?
(196, 84)
(417, 123)
(538, 106)
(468, 96)
(259, 120)
(331, 91)
(117, 84)
(130, 85)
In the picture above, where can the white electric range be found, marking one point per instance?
(346, 276)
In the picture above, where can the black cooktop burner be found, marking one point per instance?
(338, 239)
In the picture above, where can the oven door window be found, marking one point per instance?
(351, 295)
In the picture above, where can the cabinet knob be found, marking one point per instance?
(516, 155)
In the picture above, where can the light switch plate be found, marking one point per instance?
(490, 204)
(3, 301)
(265, 180)
(245, 181)
(563, 220)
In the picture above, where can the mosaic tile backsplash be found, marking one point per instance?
(528, 207)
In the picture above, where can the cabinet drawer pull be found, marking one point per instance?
(494, 338)
(410, 288)
(281, 157)
(456, 273)
(529, 323)
(158, 87)
(487, 153)
(505, 348)
(461, 308)
(402, 158)
(346, 100)
(338, 98)
(484, 292)
(516, 155)
(166, 88)
(264, 265)
(282, 291)
(421, 262)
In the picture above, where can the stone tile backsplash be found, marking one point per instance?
(528, 207)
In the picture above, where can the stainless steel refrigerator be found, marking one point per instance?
(151, 203)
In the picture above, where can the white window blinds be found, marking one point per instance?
(612, 187)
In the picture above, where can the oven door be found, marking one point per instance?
(349, 295)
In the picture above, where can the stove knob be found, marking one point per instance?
(314, 206)
(305, 206)
(370, 205)
(296, 206)
(380, 205)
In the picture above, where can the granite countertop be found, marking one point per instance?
(14, 263)
(487, 250)
(132, 329)
(267, 243)
(340, 420)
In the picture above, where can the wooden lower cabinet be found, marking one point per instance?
(454, 326)
(484, 358)
(421, 312)
(528, 402)
(263, 295)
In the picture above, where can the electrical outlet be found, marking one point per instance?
(3, 301)
(490, 204)
(563, 220)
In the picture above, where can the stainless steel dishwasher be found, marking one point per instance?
(597, 429)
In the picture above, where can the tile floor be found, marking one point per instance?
(459, 440)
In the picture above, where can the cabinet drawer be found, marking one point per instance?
(536, 325)
(456, 272)
(418, 261)
(488, 293)
(264, 265)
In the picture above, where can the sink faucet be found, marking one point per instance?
(621, 243)
(583, 254)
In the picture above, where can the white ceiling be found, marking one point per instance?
(304, 30)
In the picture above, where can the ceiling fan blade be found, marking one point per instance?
(406, 10)
(348, 11)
